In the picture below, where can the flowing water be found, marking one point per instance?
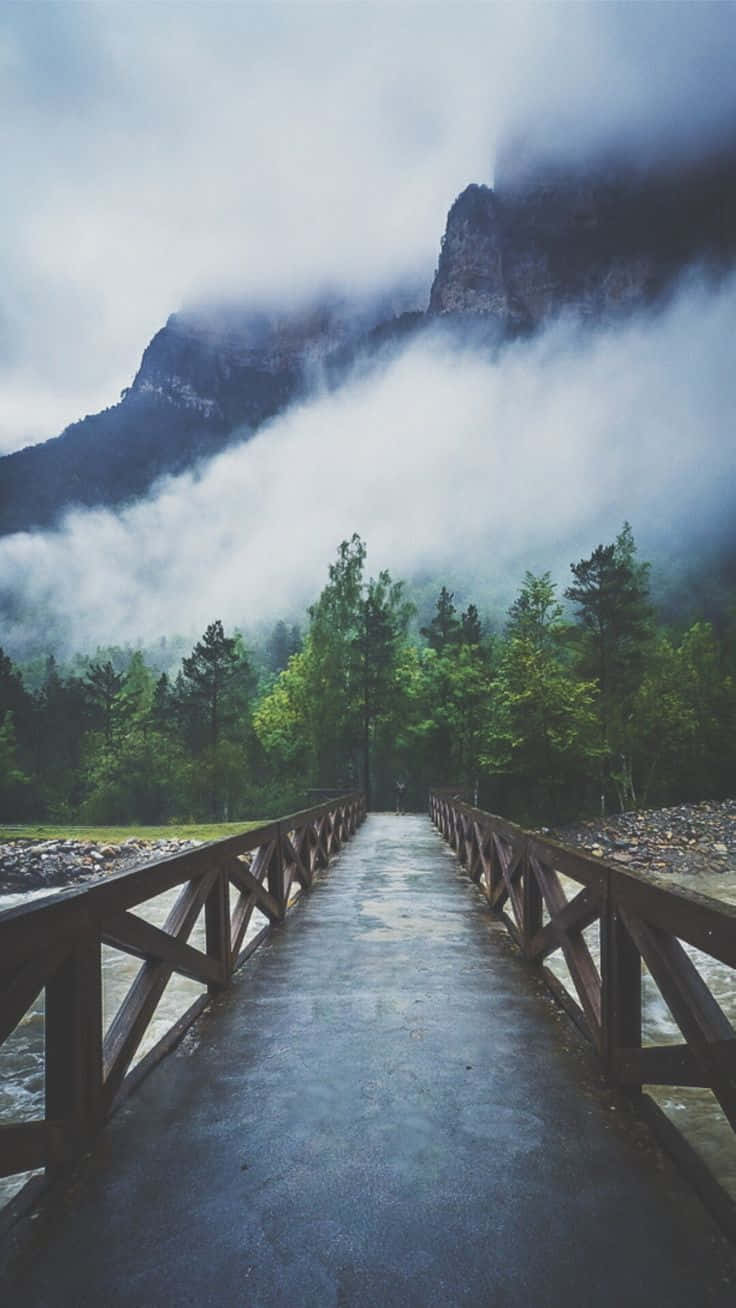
(22, 1054)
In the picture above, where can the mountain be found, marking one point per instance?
(599, 241)
(206, 375)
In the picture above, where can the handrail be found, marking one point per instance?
(640, 920)
(55, 944)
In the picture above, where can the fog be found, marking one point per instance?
(159, 154)
(445, 461)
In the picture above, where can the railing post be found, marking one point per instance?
(73, 1034)
(620, 984)
(532, 901)
(217, 928)
(276, 873)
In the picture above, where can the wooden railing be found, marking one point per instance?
(55, 944)
(640, 921)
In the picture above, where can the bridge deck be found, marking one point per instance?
(381, 1111)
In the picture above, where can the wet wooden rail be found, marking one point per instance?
(641, 922)
(55, 945)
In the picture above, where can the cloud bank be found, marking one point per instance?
(159, 154)
(446, 462)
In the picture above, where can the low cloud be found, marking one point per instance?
(446, 462)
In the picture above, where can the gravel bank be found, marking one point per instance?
(50, 864)
(689, 840)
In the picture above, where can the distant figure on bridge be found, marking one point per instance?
(400, 788)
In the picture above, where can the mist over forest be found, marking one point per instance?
(450, 462)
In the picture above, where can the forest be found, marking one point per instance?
(577, 702)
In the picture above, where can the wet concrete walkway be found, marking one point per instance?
(381, 1112)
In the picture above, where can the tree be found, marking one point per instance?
(382, 621)
(135, 697)
(536, 614)
(331, 659)
(611, 591)
(207, 675)
(212, 693)
(543, 725)
(471, 632)
(444, 628)
(12, 777)
(332, 708)
(282, 643)
(103, 684)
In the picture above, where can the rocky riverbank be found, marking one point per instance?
(689, 840)
(27, 865)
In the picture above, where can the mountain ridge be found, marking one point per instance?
(598, 241)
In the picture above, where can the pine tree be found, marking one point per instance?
(444, 628)
(611, 591)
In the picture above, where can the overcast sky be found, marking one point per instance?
(154, 153)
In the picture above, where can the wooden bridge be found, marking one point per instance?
(384, 1105)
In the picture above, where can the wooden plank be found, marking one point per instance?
(261, 862)
(28, 929)
(512, 929)
(500, 826)
(658, 1065)
(698, 1015)
(135, 936)
(241, 916)
(708, 924)
(306, 816)
(309, 848)
(322, 855)
(129, 1025)
(293, 856)
(26, 983)
(25, 1146)
(498, 896)
(569, 862)
(566, 1001)
(252, 946)
(164, 1046)
(621, 988)
(275, 876)
(476, 866)
(510, 863)
(482, 839)
(217, 930)
(532, 904)
(73, 1038)
(579, 961)
(577, 914)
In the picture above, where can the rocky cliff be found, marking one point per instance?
(206, 378)
(599, 241)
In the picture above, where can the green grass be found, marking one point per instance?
(116, 835)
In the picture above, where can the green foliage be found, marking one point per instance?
(611, 591)
(12, 777)
(542, 718)
(444, 628)
(329, 710)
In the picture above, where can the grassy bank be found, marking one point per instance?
(116, 835)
